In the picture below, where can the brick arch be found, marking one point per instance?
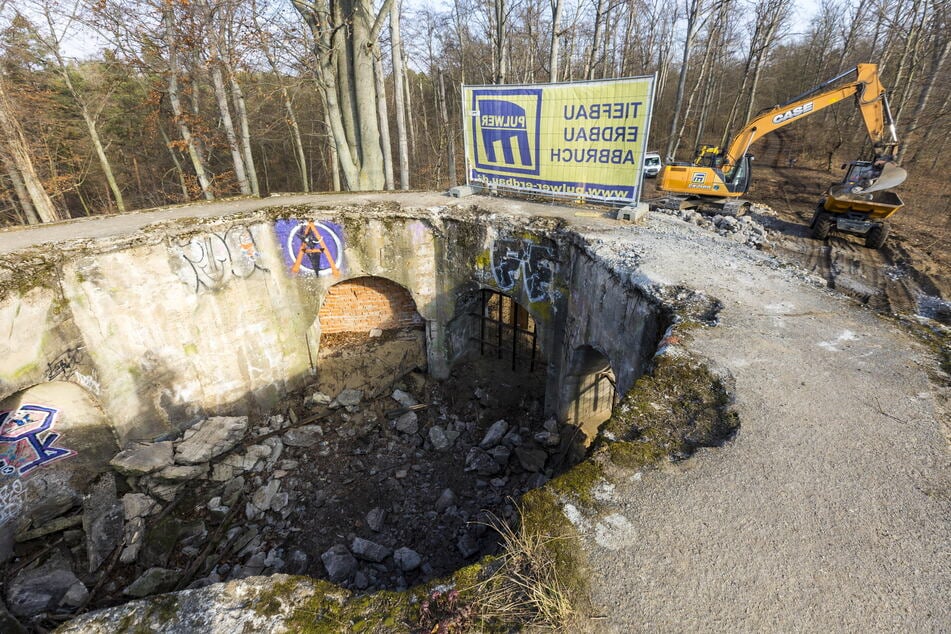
(364, 303)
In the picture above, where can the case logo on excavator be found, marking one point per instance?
(795, 112)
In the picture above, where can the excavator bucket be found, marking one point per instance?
(892, 176)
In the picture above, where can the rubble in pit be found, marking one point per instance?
(372, 494)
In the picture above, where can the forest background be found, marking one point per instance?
(114, 105)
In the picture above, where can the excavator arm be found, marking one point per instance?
(871, 101)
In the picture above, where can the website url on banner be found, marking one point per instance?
(561, 188)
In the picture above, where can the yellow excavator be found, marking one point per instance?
(719, 179)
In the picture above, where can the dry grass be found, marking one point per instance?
(531, 586)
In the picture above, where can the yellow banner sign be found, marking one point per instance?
(578, 139)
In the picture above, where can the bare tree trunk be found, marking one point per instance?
(11, 135)
(301, 156)
(396, 47)
(334, 159)
(19, 188)
(450, 130)
(241, 110)
(384, 115)
(553, 50)
(499, 61)
(194, 153)
(221, 97)
(693, 17)
(595, 40)
(938, 61)
(178, 165)
(408, 94)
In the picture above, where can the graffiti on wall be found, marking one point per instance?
(27, 440)
(311, 247)
(210, 260)
(519, 258)
(65, 364)
(11, 501)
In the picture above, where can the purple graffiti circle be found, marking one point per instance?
(289, 236)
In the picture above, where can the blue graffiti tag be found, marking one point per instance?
(27, 440)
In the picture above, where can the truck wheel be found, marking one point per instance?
(822, 226)
(876, 236)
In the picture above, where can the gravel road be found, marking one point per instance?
(828, 512)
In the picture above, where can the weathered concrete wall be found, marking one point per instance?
(172, 325)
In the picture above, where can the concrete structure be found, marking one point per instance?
(191, 318)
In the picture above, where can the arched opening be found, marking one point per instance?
(591, 385)
(370, 335)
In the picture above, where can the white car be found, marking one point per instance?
(652, 164)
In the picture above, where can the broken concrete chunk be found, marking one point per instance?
(152, 581)
(408, 423)
(263, 496)
(446, 499)
(349, 397)
(102, 520)
(494, 434)
(40, 589)
(407, 559)
(209, 438)
(531, 459)
(137, 505)
(306, 436)
(375, 519)
(183, 472)
(143, 458)
(340, 564)
(438, 438)
(405, 399)
(75, 596)
(481, 462)
(368, 550)
(317, 398)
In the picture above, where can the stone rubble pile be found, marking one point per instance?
(744, 229)
(230, 500)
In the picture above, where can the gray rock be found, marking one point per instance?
(216, 508)
(183, 472)
(437, 436)
(263, 497)
(152, 581)
(209, 438)
(306, 436)
(494, 434)
(232, 490)
(143, 458)
(138, 505)
(75, 596)
(375, 519)
(370, 551)
(547, 438)
(446, 499)
(340, 564)
(279, 501)
(405, 399)
(408, 423)
(40, 589)
(102, 520)
(134, 535)
(317, 398)
(349, 397)
(407, 559)
(531, 459)
(165, 491)
(468, 544)
(501, 454)
(481, 462)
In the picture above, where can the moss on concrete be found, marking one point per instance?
(672, 411)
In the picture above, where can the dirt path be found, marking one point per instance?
(830, 510)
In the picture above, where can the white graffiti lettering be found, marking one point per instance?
(211, 260)
(514, 258)
(11, 501)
